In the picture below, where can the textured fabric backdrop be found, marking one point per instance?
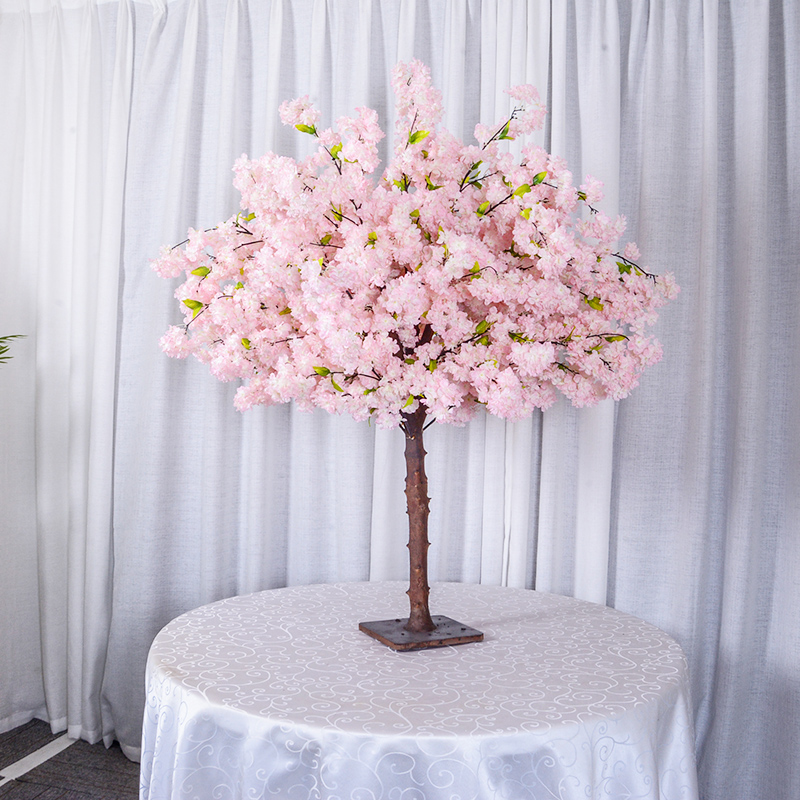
(132, 491)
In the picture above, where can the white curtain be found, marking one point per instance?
(132, 490)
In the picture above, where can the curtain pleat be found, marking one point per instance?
(132, 489)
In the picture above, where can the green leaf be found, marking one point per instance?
(431, 185)
(594, 302)
(483, 208)
(201, 271)
(239, 285)
(246, 344)
(521, 190)
(409, 401)
(324, 371)
(410, 360)
(417, 136)
(484, 340)
(539, 178)
(432, 364)
(370, 391)
(337, 213)
(618, 337)
(526, 213)
(483, 326)
(414, 214)
(285, 311)
(372, 238)
(326, 239)
(306, 129)
(624, 269)
(5, 345)
(581, 195)
(504, 132)
(336, 149)
(336, 385)
(476, 268)
(195, 305)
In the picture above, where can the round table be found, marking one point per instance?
(277, 694)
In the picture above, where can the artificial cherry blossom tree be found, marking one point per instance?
(461, 280)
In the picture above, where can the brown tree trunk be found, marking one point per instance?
(417, 505)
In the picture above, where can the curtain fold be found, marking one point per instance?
(132, 489)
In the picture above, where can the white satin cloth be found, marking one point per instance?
(277, 694)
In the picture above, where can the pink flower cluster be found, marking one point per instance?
(462, 279)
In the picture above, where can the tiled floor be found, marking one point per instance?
(70, 771)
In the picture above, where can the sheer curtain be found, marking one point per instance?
(132, 489)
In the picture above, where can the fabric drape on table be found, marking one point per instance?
(129, 474)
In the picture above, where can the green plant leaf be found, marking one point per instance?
(594, 302)
(431, 185)
(409, 401)
(336, 385)
(483, 208)
(246, 344)
(539, 178)
(326, 239)
(285, 311)
(306, 129)
(624, 269)
(526, 213)
(504, 133)
(323, 371)
(414, 214)
(483, 326)
(372, 238)
(432, 364)
(521, 190)
(618, 337)
(484, 340)
(336, 149)
(195, 305)
(417, 136)
(239, 285)
(5, 346)
(201, 271)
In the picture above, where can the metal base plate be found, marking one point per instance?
(392, 633)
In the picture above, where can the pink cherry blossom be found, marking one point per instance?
(461, 279)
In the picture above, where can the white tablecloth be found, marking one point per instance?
(277, 694)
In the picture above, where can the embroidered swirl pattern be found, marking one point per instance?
(277, 694)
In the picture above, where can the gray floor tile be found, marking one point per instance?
(22, 741)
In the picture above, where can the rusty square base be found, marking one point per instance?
(392, 633)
